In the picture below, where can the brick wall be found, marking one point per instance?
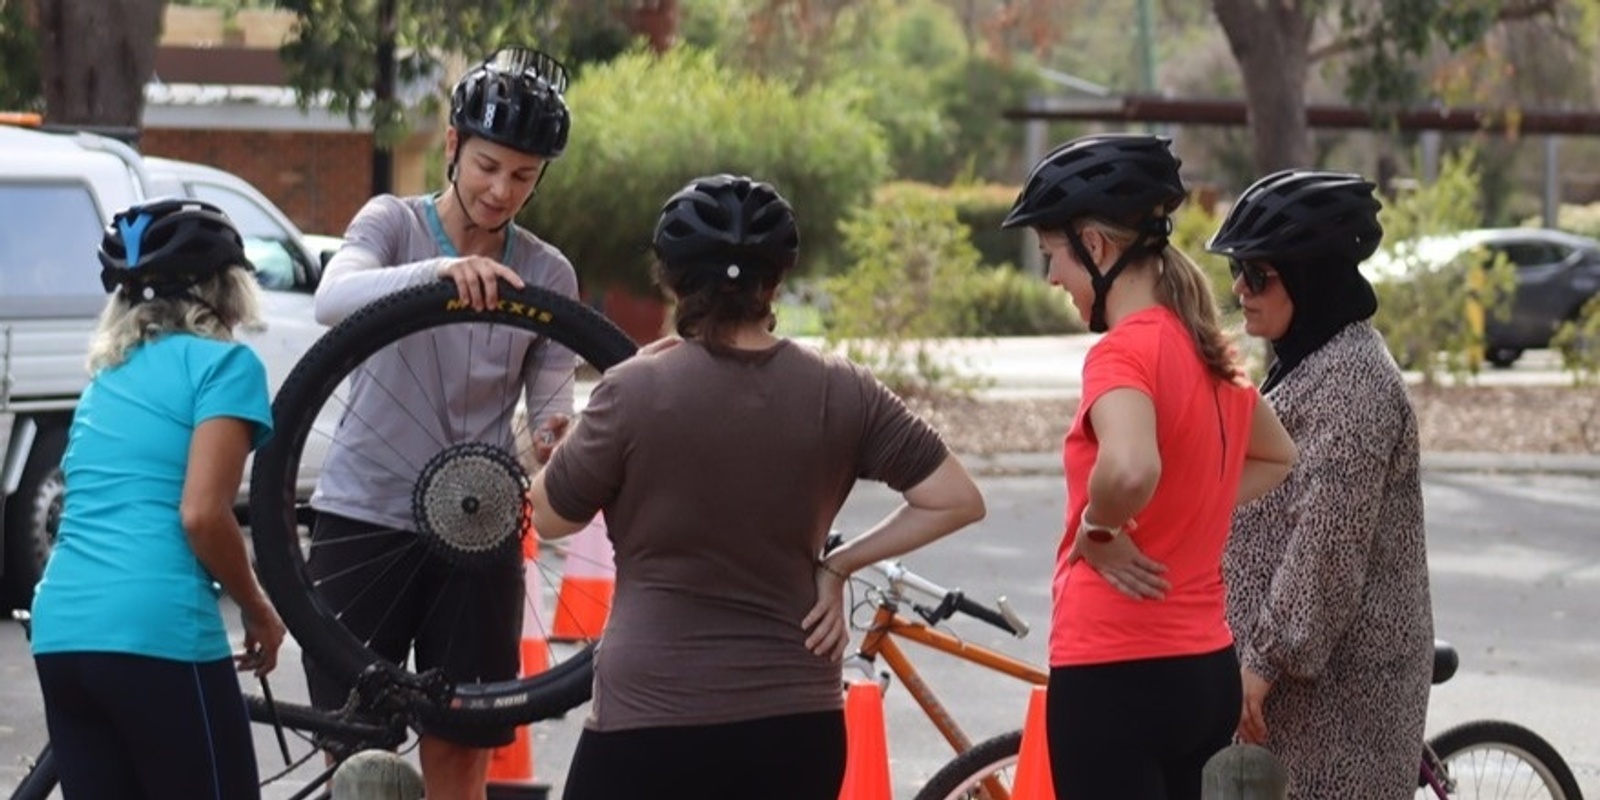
(319, 179)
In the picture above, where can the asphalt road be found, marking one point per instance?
(1516, 575)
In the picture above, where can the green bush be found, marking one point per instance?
(1578, 343)
(644, 125)
(1009, 302)
(1431, 312)
(979, 206)
(908, 285)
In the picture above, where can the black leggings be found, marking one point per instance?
(1140, 730)
(793, 757)
(126, 726)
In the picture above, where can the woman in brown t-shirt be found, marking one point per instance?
(720, 461)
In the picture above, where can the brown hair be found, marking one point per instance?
(711, 306)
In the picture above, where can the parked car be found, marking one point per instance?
(57, 193)
(1556, 273)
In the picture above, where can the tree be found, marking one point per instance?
(19, 57)
(362, 52)
(95, 57)
(1272, 44)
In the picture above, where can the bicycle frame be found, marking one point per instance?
(879, 641)
(888, 624)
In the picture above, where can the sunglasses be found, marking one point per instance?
(1255, 274)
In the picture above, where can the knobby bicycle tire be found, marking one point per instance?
(963, 776)
(1496, 759)
(274, 518)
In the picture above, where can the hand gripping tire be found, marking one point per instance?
(280, 545)
(1494, 760)
(963, 777)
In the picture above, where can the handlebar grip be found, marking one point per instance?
(973, 609)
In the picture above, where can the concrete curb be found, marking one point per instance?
(1049, 463)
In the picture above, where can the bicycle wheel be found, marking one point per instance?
(482, 484)
(1493, 759)
(964, 777)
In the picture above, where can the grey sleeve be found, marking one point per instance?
(368, 266)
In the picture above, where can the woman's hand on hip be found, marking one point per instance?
(1123, 565)
(827, 632)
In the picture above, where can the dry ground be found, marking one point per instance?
(1487, 419)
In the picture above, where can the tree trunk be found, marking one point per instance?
(1271, 42)
(383, 96)
(95, 58)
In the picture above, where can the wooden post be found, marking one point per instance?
(1244, 772)
(376, 775)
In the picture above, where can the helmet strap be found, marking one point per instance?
(1101, 282)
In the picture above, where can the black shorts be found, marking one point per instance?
(394, 593)
(791, 757)
(1140, 730)
(127, 726)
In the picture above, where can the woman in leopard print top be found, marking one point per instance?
(1327, 575)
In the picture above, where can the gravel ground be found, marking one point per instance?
(1491, 419)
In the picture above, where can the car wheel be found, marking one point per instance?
(1502, 357)
(33, 515)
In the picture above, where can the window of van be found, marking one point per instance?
(266, 243)
(50, 233)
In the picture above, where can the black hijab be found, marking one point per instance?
(1327, 297)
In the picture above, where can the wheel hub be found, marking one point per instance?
(471, 503)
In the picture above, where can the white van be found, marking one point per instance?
(57, 193)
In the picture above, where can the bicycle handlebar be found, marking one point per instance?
(950, 600)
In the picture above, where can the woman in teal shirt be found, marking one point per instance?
(133, 658)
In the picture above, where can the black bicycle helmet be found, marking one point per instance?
(515, 98)
(1302, 214)
(163, 247)
(730, 223)
(1122, 177)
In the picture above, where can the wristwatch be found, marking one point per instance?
(1096, 532)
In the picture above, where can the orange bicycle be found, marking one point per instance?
(887, 593)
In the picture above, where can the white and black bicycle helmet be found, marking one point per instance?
(515, 97)
(163, 247)
(1302, 215)
(735, 226)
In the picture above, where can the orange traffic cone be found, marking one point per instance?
(1033, 780)
(587, 583)
(511, 766)
(866, 766)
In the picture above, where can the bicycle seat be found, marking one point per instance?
(1445, 661)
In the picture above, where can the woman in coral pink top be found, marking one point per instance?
(1169, 438)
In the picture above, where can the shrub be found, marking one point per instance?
(1009, 302)
(1578, 343)
(644, 125)
(912, 264)
(1430, 311)
(979, 206)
